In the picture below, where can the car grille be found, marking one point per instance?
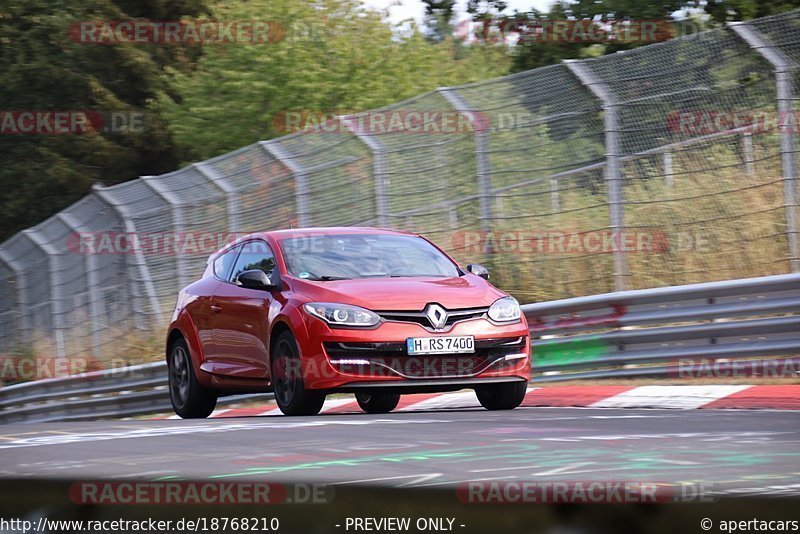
(391, 359)
(418, 317)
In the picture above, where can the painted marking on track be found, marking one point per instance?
(460, 399)
(515, 468)
(456, 482)
(177, 430)
(665, 461)
(415, 478)
(451, 454)
(716, 436)
(680, 397)
(343, 405)
(598, 470)
(565, 470)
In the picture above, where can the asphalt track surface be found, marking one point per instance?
(731, 452)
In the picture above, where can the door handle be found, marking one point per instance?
(216, 308)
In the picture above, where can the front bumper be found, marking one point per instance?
(424, 386)
(350, 359)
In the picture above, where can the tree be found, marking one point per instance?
(335, 57)
(45, 69)
(439, 19)
(732, 10)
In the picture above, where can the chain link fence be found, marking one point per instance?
(627, 171)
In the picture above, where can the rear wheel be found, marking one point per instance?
(190, 400)
(502, 396)
(287, 380)
(378, 402)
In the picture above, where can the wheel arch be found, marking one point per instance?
(174, 335)
(281, 325)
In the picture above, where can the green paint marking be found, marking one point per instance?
(346, 462)
(561, 352)
(633, 462)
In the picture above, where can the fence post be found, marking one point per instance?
(747, 149)
(55, 287)
(22, 295)
(613, 170)
(136, 262)
(482, 164)
(555, 203)
(92, 283)
(668, 172)
(301, 189)
(378, 168)
(176, 210)
(231, 196)
(782, 67)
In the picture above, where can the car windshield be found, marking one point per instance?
(339, 257)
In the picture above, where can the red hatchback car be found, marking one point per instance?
(378, 313)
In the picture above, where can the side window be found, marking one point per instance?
(224, 262)
(255, 255)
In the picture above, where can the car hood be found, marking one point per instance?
(411, 294)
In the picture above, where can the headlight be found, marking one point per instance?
(505, 310)
(341, 314)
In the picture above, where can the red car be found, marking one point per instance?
(378, 313)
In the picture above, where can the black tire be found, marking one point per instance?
(287, 379)
(502, 396)
(189, 399)
(378, 402)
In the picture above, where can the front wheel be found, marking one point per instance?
(378, 402)
(189, 399)
(287, 380)
(502, 396)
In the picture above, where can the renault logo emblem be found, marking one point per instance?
(436, 315)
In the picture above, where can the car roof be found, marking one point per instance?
(332, 230)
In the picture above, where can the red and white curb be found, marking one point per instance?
(674, 397)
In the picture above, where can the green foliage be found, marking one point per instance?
(336, 56)
(44, 69)
(685, 18)
(731, 10)
(439, 18)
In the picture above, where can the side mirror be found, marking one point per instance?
(478, 270)
(256, 279)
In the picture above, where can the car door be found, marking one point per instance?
(240, 322)
(201, 308)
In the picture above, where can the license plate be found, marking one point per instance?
(440, 345)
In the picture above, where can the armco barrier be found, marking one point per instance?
(604, 335)
(644, 333)
(122, 392)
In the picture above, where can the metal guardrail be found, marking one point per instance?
(122, 392)
(644, 333)
(603, 336)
